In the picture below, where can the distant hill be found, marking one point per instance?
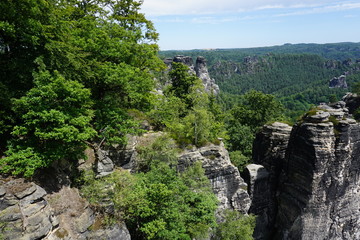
(298, 74)
(337, 51)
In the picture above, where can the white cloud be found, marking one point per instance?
(191, 7)
(322, 9)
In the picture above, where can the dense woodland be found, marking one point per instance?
(80, 74)
(298, 75)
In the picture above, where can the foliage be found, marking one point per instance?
(55, 121)
(102, 54)
(159, 204)
(245, 119)
(297, 74)
(182, 82)
(167, 109)
(161, 150)
(239, 160)
(235, 226)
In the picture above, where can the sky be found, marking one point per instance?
(209, 24)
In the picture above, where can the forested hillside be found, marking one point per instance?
(298, 75)
(337, 51)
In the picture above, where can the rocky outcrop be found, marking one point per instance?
(338, 82)
(28, 212)
(24, 212)
(352, 102)
(203, 73)
(227, 184)
(321, 190)
(199, 69)
(186, 60)
(264, 177)
(318, 191)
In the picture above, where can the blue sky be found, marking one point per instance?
(203, 24)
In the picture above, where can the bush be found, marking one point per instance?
(159, 204)
(236, 226)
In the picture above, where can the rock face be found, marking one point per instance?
(202, 73)
(264, 178)
(28, 212)
(228, 186)
(352, 102)
(24, 212)
(199, 69)
(318, 193)
(338, 82)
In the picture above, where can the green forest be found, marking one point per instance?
(297, 75)
(79, 74)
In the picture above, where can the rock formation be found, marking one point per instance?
(317, 193)
(338, 82)
(28, 212)
(199, 69)
(202, 73)
(228, 186)
(263, 178)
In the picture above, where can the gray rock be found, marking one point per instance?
(85, 220)
(115, 232)
(203, 73)
(2, 191)
(10, 214)
(269, 150)
(200, 70)
(227, 184)
(188, 61)
(317, 189)
(104, 164)
(320, 116)
(26, 192)
(338, 82)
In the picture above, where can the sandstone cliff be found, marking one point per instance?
(28, 211)
(227, 184)
(316, 186)
(200, 69)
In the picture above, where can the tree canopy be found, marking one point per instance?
(70, 71)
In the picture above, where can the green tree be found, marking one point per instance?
(245, 119)
(235, 226)
(159, 204)
(55, 122)
(105, 47)
(182, 82)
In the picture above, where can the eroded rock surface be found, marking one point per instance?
(264, 178)
(320, 194)
(200, 69)
(338, 82)
(227, 184)
(203, 73)
(24, 212)
(28, 212)
(317, 193)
